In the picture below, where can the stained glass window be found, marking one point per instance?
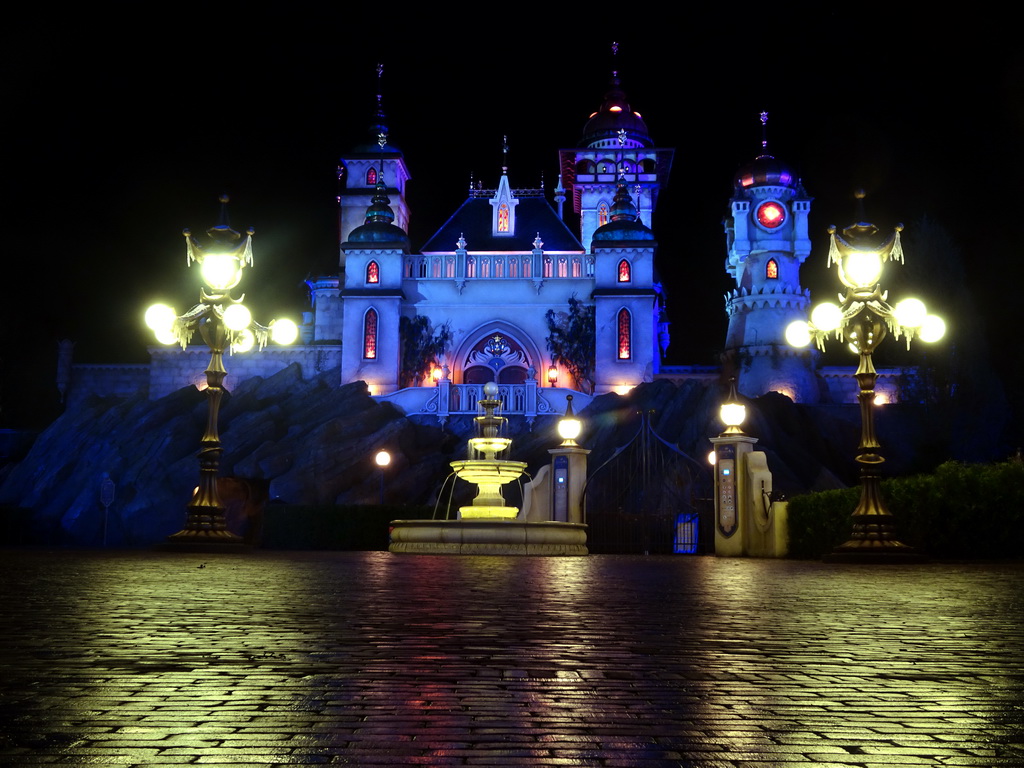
(624, 271)
(370, 334)
(371, 177)
(772, 269)
(625, 332)
(372, 272)
(503, 217)
(602, 214)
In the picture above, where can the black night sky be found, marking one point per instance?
(120, 132)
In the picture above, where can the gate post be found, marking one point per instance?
(731, 493)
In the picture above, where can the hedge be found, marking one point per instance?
(962, 511)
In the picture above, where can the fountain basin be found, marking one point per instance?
(488, 472)
(487, 537)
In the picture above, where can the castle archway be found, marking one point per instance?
(496, 351)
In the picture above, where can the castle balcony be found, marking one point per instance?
(446, 399)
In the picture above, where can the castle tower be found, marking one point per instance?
(767, 241)
(626, 305)
(372, 297)
(615, 145)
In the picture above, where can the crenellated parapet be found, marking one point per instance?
(784, 297)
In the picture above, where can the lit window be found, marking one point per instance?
(625, 274)
(371, 177)
(513, 265)
(485, 267)
(435, 267)
(547, 266)
(563, 267)
(771, 270)
(625, 331)
(470, 266)
(372, 272)
(602, 214)
(527, 267)
(577, 268)
(370, 334)
(503, 217)
(499, 267)
(449, 267)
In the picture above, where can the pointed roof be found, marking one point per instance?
(473, 219)
(379, 228)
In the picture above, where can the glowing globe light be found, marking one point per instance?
(284, 331)
(237, 317)
(827, 316)
(244, 341)
(382, 459)
(798, 333)
(732, 415)
(165, 336)
(932, 329)
(910, 313)
(713, 457)
(490, 390)
(221, 271)
(160, 317)
(861, 269)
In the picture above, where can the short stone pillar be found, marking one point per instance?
(731, 492)
(568, 478)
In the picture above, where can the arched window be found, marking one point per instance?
(625, 273)
(625, 332)
(602, 214)
(372, 272)
(771, 270)
(449, 267)
(470, 266)
(503, 217)
(435, 266)
(370, 334)
(371, 177)
(563, 267)
(423, 268)
(547, 266)
(577, 268)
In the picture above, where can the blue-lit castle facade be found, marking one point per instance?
(484, 284)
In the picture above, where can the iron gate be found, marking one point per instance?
(648, 498)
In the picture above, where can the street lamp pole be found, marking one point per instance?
(864, 318)
(224, 323)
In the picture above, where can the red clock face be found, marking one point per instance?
(770, 214)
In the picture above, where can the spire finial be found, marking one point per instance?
(764, 131)
(504, 155)
(615, 49)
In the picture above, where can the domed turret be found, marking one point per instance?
(379, 226)
(615, 124)
(765, 170)
(624, 224)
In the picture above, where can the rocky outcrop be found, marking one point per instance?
(313, 442)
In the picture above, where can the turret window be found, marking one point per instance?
(371, 177)
(602, 214)
(625, 328)
(372, 272)
(771, 270)
(370, 334)
(625, 272)
(503, 217)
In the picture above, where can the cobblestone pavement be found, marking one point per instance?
(275, 659)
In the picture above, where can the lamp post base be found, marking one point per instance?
(874, 553)
(190, 540)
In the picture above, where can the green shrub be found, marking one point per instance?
(965, 511)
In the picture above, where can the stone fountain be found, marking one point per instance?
(488, 526)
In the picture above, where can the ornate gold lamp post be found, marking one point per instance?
(864, 317)
(224, 323)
